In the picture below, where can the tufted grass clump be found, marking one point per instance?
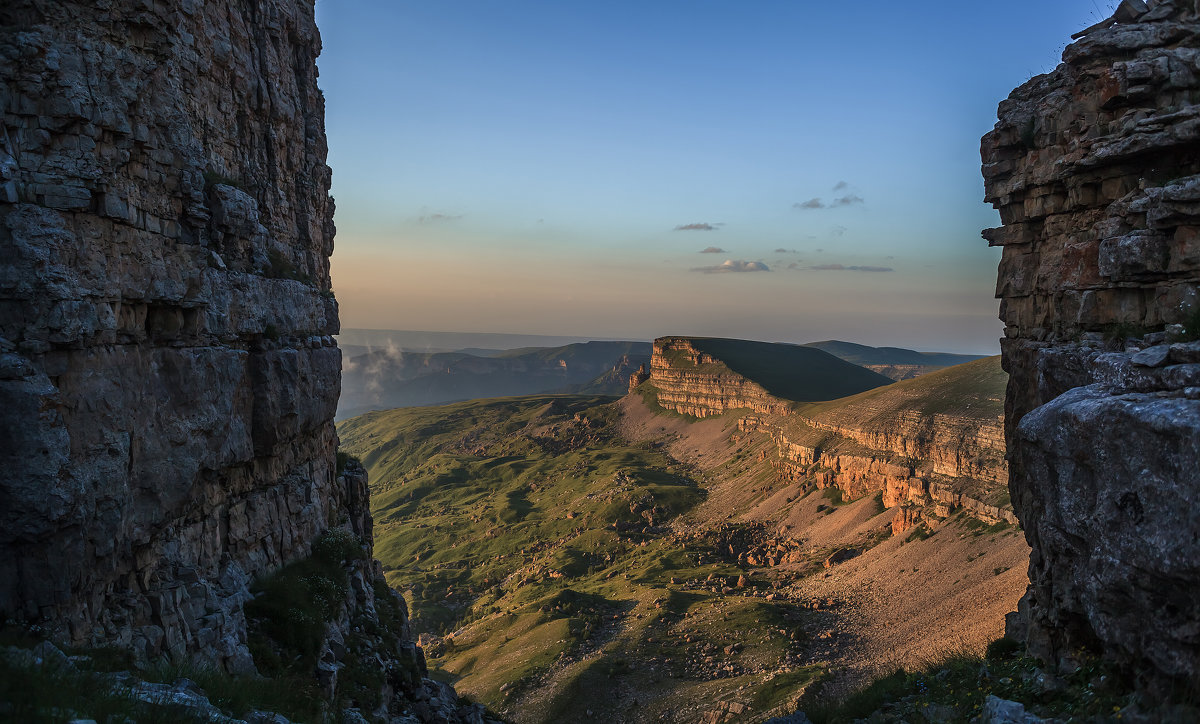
(288, 615)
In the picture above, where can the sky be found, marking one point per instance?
(782, 171)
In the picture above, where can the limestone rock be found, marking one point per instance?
(1093, 170)
(168, 374)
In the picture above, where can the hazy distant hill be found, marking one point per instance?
(894, 362)
(422, 341)
(392, 377)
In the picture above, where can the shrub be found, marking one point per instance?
(1003, 648)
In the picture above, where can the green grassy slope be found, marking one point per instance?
(974, 389)
(789, 371)
(529, 530)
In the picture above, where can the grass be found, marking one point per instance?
(54, 692)
(956, 688)
(290, 610)
(527, 529)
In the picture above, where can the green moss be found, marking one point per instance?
(282, 267)
(1191, 324)
(212, 178)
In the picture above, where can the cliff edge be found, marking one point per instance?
(1095, 169)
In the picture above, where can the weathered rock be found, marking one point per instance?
(168, 374)
(1093, 168)
(167, 421)
(1003, 711)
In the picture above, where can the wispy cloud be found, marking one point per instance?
(713, 250)
(781, 250)
(838, 231)
(438, 218)
(840, 267)
(696, 227)
(846, 199)
(733, 265)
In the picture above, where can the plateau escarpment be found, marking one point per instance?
(701, 376)
(931, 445)
(168, 374)
(1095, 169)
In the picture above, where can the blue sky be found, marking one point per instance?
(558, 167)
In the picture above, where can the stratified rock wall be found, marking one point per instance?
(693, 382)
(168, 376)
(1095, 169)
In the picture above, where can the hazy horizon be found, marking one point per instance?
(624, 171)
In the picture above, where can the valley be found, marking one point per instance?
(568, 557)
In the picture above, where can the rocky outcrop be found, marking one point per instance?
(1095, 171)
(168, 374)
(693, 382)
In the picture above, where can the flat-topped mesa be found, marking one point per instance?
(701, 376)
(690, 381)
(1095, 169)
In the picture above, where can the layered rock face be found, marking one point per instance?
(932, 445)
(168, 375)
(1095, 169)
(695, 383)
(168, 378)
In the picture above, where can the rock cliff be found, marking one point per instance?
(1095, 169)
(168, 375)
(931, 445)
(702, 377)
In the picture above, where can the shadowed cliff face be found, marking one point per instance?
(168, 375)
(1095, 169)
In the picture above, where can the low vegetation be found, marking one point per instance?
(535, 546)
(53, 687)
(958, 688)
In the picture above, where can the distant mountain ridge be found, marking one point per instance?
(383, 369)
(386, 378)
(894, 362)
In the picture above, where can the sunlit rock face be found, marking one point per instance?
(168, 376)
(1095, 169)
(695, 383)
